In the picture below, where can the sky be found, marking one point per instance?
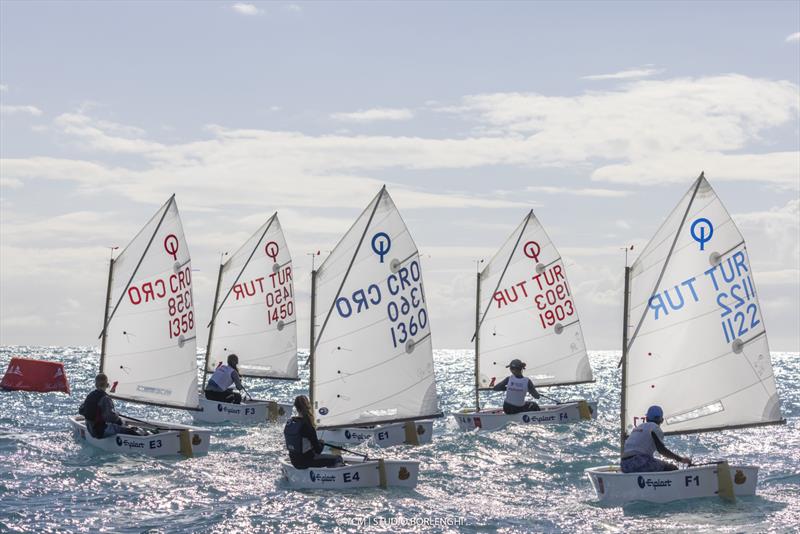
(596, 115)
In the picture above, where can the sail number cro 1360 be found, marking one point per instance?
(405, 308)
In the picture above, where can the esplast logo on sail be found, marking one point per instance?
(653, 483)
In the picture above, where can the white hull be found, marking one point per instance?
(495, 418)
(356, 474)
(248, 412)
(186, 440)
(614, 487)
(408, 433)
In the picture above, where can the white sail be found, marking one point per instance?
(372, 360)
(256, 316)
(529, 312)
(697, 344)
(150, 343)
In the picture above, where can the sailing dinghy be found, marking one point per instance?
(694, 342)
(371, 354)
(254, 318)
(525, 309)
(148, 344)
(372, 358)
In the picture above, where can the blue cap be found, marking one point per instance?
(654, 412)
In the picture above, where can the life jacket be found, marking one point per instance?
(90, 410)
(223, 376)
(293, 433)
(641, 440)
(516, 389)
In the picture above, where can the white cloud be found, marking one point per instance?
(780, 168)
(651, 131)
(647, 132)
(780, 277)
(643, 72)
(30, 321)
(376, 114)
(13, 110)
(294, 8)
(772, 236)
(11, 183)
(579, 191)
(793, 38)
(229, 169)
(85, 173)
(246, 9)
(105, 135)
(83, 227)
(3, 88)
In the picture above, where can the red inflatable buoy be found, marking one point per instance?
(35, 375)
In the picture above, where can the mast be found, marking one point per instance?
(312, 344)
(105, 315)
(622, 435)
(211, 327)
(477, 339)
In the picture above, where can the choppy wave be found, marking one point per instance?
(523, 479)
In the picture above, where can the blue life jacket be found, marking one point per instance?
(293, 433)
(90, 410)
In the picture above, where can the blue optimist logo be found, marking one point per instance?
(641, 481)
(219, 407)
(119, 441)
(526, 418)
(701, 231)
(313, 479)
(347, 434)
(323, 411)
(381, 244)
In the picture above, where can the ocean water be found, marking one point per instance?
(522, 479)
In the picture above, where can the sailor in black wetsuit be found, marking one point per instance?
(102, 420)
(301, 439)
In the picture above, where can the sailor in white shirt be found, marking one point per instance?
(224, 377)
(516, 387)
(644, 441)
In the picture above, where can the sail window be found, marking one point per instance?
(696, 413)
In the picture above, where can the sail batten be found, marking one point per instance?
(149, 337)
(372, 358)
(530, 313)
(700, 347)
(257, 318)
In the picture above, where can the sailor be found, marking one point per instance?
(219, 386)
(301, 439)
(516, 387)
(645, 439)
(102, 420)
